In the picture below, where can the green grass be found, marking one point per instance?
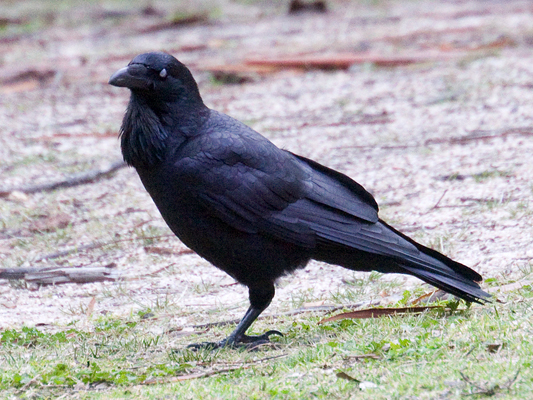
(432, 355)
(483, 176)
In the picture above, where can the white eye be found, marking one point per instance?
(163, 74)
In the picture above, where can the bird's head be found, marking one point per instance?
(165, 105)
(158, 77)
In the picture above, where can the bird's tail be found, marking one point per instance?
(443, 272)
(384, 249)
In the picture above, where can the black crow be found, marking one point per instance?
(251, 209)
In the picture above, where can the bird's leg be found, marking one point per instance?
(260, 298)
(238, 336)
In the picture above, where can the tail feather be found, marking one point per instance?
(443, 272)
(395, 252)
(457, 267)
(464, 289)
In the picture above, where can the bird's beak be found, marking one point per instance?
(134, 76)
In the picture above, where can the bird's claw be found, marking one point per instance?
(244, 341)
(265, 337)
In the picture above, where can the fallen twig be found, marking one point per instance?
(437, 203)
(176, 21)
(267, 359)
(80, 274)
(55, 276)
(482, 135)
(242, 363)
(431, 297)
(362, 356)
(32, 381)
(472, 136)
(493, 389)
(160, 269)
(96, 245)
(346, 60)
(209, 373)
(70, 181)
(62, 253)
(190, 376)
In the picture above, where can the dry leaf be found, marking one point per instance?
(344, 375)
(90, 307)
(431, 297)
(494, 347)
(376, 312)
(158, 250)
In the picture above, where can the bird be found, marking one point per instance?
(254, 210)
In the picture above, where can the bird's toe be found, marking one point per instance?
(265, 337)
(205, 346)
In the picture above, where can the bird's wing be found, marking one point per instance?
(255, 187)
(341, 212)
(333, 189)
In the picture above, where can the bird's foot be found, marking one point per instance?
(253, 342)
(243, 341)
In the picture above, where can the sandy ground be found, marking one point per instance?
(445, 145)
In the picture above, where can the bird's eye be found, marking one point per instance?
(163, 74)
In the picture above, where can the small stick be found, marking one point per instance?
(72, 180)
(437, 203)
(96, 245)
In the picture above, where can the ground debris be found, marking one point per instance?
(299, 6)
(482, 134)
(26, 79)
(489, 390)
(73, 180)
(51, 223)
(177, 20)
(377, 312)
(196, 375)
(344, 375)
(346, 60)
(55, 275)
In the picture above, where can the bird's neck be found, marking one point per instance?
(148, 129)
